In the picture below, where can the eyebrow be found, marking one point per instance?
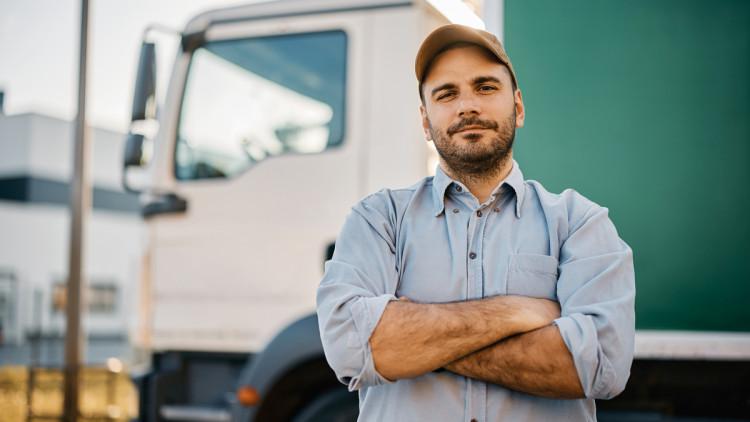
(476, 81)
(443, 87)
(483, 79)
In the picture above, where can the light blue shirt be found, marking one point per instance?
(434, 242)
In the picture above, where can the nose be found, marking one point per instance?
(467, 105)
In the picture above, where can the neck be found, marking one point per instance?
(481, 185)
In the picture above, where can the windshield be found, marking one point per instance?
(250, 99)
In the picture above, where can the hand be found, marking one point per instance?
(535, 312)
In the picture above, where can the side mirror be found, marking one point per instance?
(133, 150)
(145, 83)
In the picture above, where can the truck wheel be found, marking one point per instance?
(337, 405)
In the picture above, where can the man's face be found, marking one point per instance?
(470, 111)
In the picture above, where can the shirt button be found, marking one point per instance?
(479, 213)
(458, 188)
(472, 255)
(455, 210)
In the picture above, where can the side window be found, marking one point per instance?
(250, 99)
(102, 297)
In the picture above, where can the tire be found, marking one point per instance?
(337, 405)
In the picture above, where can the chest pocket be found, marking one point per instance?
(533, 276)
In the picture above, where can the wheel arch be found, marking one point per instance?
(292, 366)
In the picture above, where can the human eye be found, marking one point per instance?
(487, 89)
(443, 96)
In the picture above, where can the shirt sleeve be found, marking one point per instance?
(596, 290)
(359, 281)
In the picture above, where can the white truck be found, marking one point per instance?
(278, 117)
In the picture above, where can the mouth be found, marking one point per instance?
(472, 129)
(470, 126)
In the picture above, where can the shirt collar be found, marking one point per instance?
(441, 182)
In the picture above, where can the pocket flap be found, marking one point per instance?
(542, 264)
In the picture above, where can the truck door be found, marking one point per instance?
(266, 154)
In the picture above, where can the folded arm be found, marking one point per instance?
(412, 339)
(371, 338)
(537, 362)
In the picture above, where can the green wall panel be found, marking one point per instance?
(644, 107)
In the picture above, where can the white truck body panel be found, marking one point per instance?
(245, 259)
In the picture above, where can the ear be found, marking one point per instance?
(520, 109)
(425, 123)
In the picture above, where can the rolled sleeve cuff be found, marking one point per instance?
(366, 313)
(595, 371)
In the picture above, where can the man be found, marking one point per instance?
(475, 295)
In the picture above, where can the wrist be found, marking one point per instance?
(523, 314)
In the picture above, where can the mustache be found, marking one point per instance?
(471, 121)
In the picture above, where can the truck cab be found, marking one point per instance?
(277, 118)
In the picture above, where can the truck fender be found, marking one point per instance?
(297, 344)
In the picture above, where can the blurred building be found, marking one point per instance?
(36, 167)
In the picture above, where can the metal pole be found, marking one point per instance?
(80, 204)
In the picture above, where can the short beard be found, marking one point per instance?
(476, 162)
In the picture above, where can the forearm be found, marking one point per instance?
(536, 362)
(412, 339)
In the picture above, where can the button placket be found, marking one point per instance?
(475, 241)
(475, 290)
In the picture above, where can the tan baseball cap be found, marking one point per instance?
(454, 33)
